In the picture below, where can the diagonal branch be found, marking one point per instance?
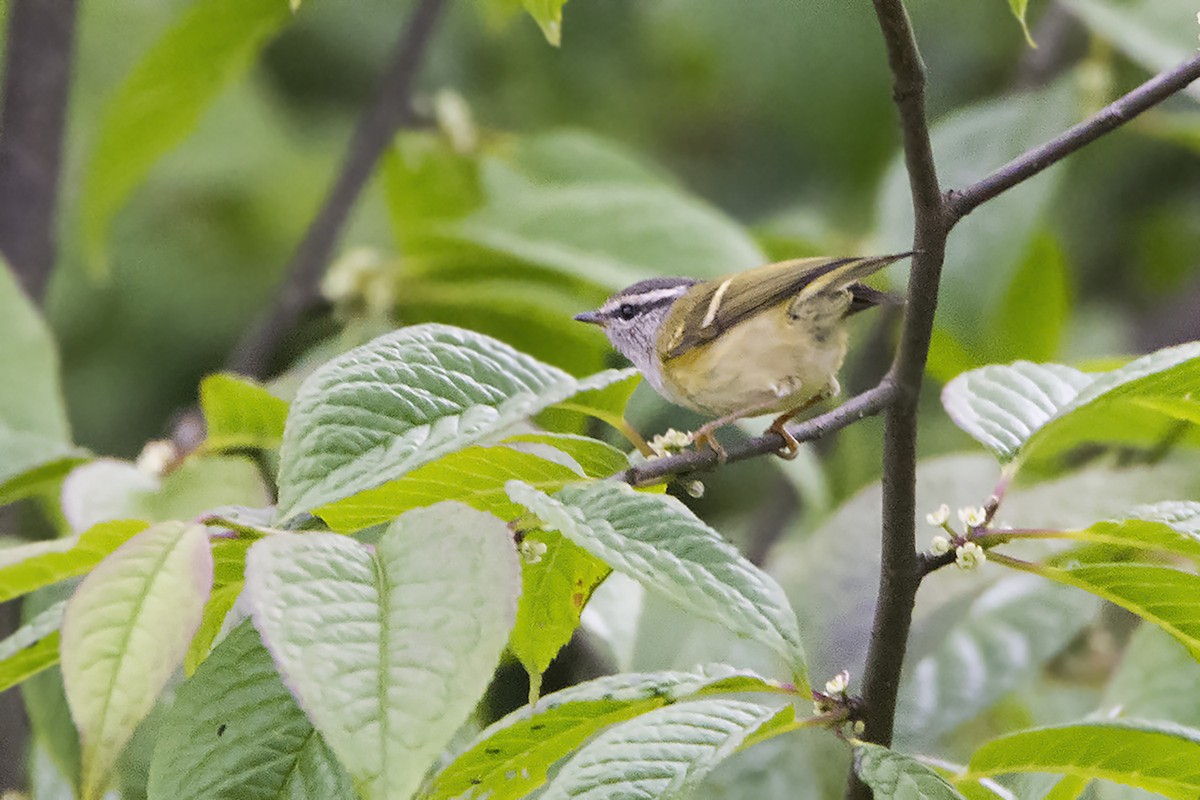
(1149, 94)
(378, 125)
(37, 82)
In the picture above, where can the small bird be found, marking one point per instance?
(769, 340)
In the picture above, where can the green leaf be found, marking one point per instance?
(32, 566)
(386, 682)
(606, 403)
(240, 414)
(1001, 641)
(1154, 756)
(510, 759)
(1172, 527)
(554, 590)
(30, 463)
(161, 101)
(656, 540)
(428, 179)
(235, 730)
(1168, 598)
(646, 227)
(126, 629)
(1156, 679)
(893, 776)
(987, 251)
(219, 604)
(667, 751)
(1024, 411)
(595, 458)
(548, 15)
(1018, 8)
(1036, 308)
(31, 648)
(475, 476)
(1156, 34)
(403, 400)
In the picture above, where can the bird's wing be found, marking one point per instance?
(715, 306)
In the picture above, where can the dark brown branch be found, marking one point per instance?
(867, 404)
(899, 574)
(1149, 94)
(378, 125)
(37, 82)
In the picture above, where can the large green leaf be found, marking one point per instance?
(388, 650)
(31, 648)
(240, 414)
(893, 776)
(32, 566)
(667, 751)
(511, 758)
(1158, 757)
(1003, 638)
(235, 730)
(161, 101)
(664, 546)
(126, 630)
(1172, 527)
(403, 400)
(1027, 411)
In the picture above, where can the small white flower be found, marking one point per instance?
(972, 517)
(838, 683)
(670, 443)
(938, 518)
(695, 489)
(940, 545)
(157, 457)
(532, 551)
(969, 556)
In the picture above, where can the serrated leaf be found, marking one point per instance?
(893, 776)
(1158, 757)
(385, 680)
(1003, 639)
(656, 540)
(475, 476)
(1024, 411)
(665, 752)
(235, 730)
(161, 101)
(1168, 598)
(32, 566)
(240, 414)
(125, 631)
(31, 648)
(403, 400)
(511, 758)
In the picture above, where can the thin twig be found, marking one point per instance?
(378, 125)
(867, 404)
(37, 82)
(963, 201)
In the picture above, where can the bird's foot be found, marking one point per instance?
(706, 436)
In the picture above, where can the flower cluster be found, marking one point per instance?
(968, 554)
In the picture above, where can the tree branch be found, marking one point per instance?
(37, 82)
(867, 404)
(376, 127)
(1149, 94)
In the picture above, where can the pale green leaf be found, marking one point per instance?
(126, 630)
(235, 731)
(1172, 527)
(240, 414)
(1001, 641)
(664, 753)
(31, 648)
(32, 566)
(219, 604)
(576, 156)
(1019, 8)
(548, 15)
(597, 459)
(1036, 309)
(403, 400)
(1158, 757)
(1024, 411)
(161, 101)
(893, 776)
(664, 546)
(384, 680)
(428, 179)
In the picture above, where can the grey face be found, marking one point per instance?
(632, 318)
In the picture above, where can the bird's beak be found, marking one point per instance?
(588, 316)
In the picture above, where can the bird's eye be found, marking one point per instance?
(627, 311)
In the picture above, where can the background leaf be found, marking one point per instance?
(31, 566)
(125, 631)
(240, 414)
(31, 648)
(389, 651)
(893, 776)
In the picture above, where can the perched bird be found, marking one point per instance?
(768, 340)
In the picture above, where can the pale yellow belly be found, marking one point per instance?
(767, 364)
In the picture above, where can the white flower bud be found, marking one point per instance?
(532, 551)
(938, 518)
(157, 457)
(838, 683)
(940, 545)
(695, 489)
(972, 517)
(969, 556)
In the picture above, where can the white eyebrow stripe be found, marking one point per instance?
(643, 298)
(715, 303)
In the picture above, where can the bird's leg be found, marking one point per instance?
(706, 433)
(791, 446)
